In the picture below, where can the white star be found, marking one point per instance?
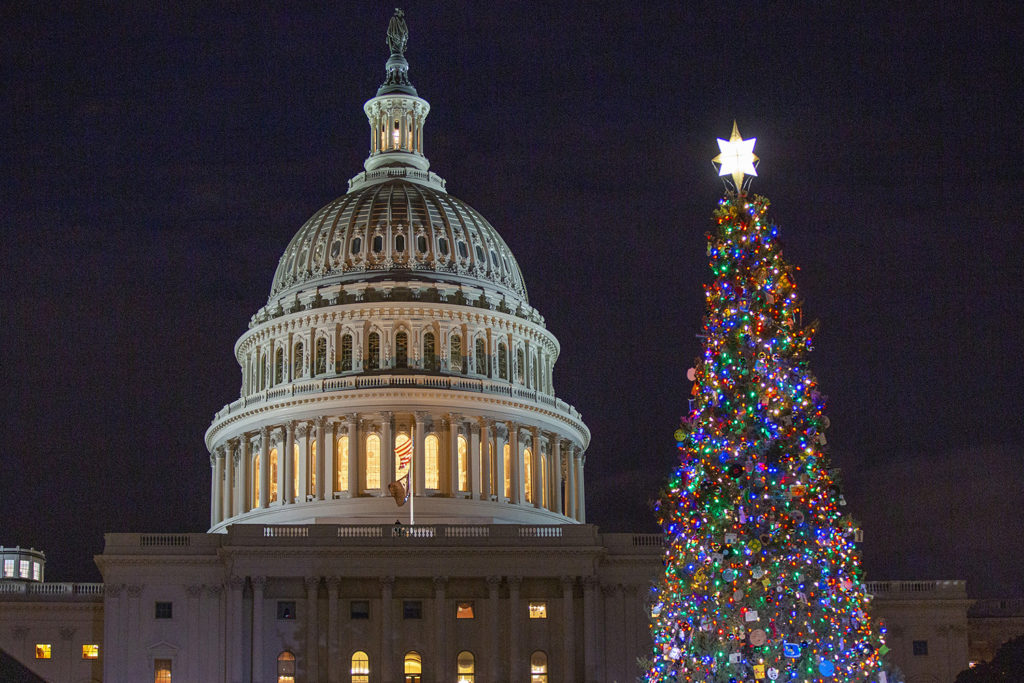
(737, 157)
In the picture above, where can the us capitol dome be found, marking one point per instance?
(397, 350)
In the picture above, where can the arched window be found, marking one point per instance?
(312, 466)
(321, 356)
(273, 474)
(263, 372)
(295, 471)
(508, 470)
(297, 361)
(465, 667)
(520, 364)
(346, 353)
(455, 352)
(255, 482)
(463, 463)
(528, 474)
(502, 361)
(400, 243)
(373, 351)
(538, 667)
(279, 366)
(342, 461)
(429, 351)
(360, 669)
(403, 455)
(421, 244)
(372, 461)
(442, 246)
(481, 357)
(432, 478)
(402, 350)
(413, 667)
(286, 667)
(378, 243)
(357, 245)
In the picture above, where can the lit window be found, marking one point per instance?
(429, 352)
(430, 471)
(508, 470)
(538, 609)
(412, 609)
(312, 466)
(373, 461)
(295, 469)
(24, 568)
(520, 364)
(538, 667)
(360, 667)
(321, 356)
(463, 447)
(528, 473)
(43, 650)
(543, 480)
(255, 482)
(91, 651)
(464, 610)
(279, 366)
(400, 243)
(502, 361)
(37, 571)
(162, 670)
(8, 567)
(465, 667)
(920, 648)
(413, 667)
(286, 667)
(285, 609)
(298, 362)
(359, 609)
(164, 610)
(343, 463)
(273, 474)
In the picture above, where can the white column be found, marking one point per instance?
(581, 498)
(535, 476)
(335, 666)
(229, 470)
(418, 453)
(264, 500)
(302, 436)
(570, 485)
(353, 454)
(556, 475)
(193, 666)
(286, 466)
(313, 627)
(326, 476)
(473, 458)
(453, 455)
(569, 633)
(242, 476)
(236, 655)
(486, 449)
(258, 584)
(216, 471)
(387, 451)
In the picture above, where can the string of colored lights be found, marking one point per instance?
(762, 578)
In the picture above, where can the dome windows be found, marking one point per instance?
(429, 352)
(463, 249)
(442, 246)
(345, 361)
(455, 352)
(320, 362)
(373, 351)
(481, 356)
(502, 361)
(298, 361)
(400, 243)
(378, 244)
(402, 350)
(357, 245)
(480, 254)
(421, 244)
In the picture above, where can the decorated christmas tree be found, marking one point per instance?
(762, 577)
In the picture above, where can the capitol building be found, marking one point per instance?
(397, 493)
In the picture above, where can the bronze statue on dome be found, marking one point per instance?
(398, 33)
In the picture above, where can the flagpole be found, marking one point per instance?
(412, 488)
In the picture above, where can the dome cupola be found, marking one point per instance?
(397, 361)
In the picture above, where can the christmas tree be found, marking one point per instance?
(762, 578)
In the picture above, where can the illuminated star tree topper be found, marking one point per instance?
(736, 157)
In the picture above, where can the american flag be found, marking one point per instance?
(404, 452)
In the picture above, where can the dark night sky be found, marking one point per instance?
(157, 158)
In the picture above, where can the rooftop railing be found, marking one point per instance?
(23, 590)
(936, 589)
